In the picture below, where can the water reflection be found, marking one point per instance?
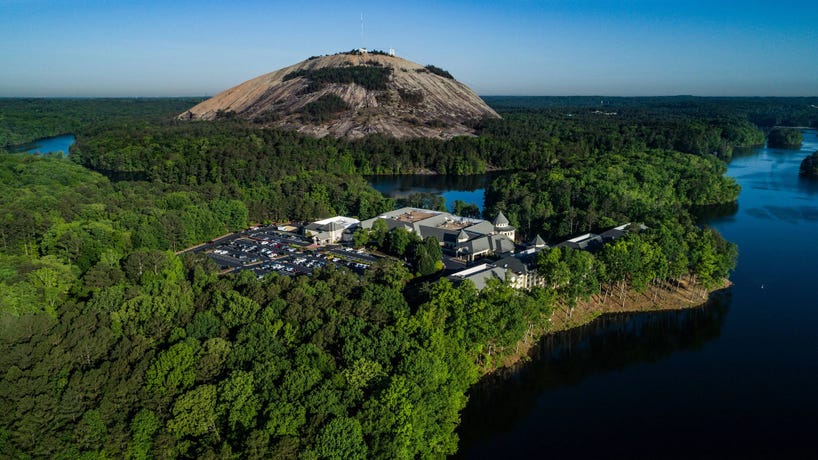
(46, 145)
(428, 183)
(469, 189)
(713, 212)
(612, 342)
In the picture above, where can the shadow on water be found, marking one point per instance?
(609, 343)
(707, 214)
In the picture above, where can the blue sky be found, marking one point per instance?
(566, 47)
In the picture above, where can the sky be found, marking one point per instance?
(89, 48)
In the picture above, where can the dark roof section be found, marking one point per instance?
(501, 245)
(512, 263)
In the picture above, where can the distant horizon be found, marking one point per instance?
(479, 95)
(550, 48)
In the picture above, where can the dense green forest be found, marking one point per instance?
(112, 346)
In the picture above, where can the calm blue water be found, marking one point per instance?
(469, 189)
(48, 145)
(737, 379)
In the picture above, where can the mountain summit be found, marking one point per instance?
(352, 95)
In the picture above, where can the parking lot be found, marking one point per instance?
(266, 250)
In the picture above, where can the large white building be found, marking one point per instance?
(462, 237)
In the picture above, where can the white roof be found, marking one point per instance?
(345, 221)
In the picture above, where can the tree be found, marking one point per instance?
(583, 279)
(237, 399)
(174, 369)
(361, 237)
(378, 232)
(341, 439)
(464, 209)
(143, 427)
(398, 241)
(552, 267)
(428, 256)
(51, 283)
(194, 413)
(234, 309)
(809, 166)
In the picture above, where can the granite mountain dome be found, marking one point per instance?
(353, 95)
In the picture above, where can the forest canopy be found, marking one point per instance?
(158, 355)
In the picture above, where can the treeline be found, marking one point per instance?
(761, 111)
(27, 119)
(646, 186)
(586, 132)
(655, 257)
(159, 357)
(232, 151)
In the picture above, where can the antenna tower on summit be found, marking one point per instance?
(363, 45)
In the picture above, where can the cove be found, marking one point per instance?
(47, 145)
(733, 379)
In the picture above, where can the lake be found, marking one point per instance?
(735, 379)
(469, 189)
(47, 145)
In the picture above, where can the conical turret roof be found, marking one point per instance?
(538, 242)
(500, 220)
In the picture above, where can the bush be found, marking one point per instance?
(438, 71)
(410, 97)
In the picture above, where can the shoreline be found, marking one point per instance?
(654, 299)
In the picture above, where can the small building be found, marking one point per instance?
(332, 230)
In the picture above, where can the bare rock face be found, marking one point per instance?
(353, 95)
